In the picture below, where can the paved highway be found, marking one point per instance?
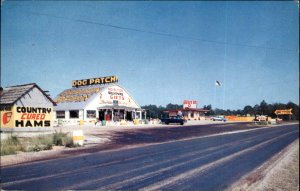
(208, 163)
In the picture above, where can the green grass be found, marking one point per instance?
(61, 139)
(11, 146)
(14, 144)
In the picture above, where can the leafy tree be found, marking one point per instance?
(152, 111)
(208, 107)
(256, 109)
(239, 112)
(161, 112)
(279, 106)
(295, 110)
(173, 106)
(263, 107)
(248, 110)
(218, 111)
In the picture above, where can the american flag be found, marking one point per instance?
(218, 83)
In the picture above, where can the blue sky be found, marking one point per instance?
(169, 51)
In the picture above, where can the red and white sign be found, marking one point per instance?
(6, 117)
(190, 104)
(116, 95)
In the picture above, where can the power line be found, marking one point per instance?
(154, 32)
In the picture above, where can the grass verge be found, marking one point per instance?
(14, 144)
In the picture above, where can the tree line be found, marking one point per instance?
(258, 109)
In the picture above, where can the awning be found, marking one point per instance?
(120, 107)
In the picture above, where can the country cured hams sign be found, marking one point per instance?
(26, 117)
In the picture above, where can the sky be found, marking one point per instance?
(162, 52)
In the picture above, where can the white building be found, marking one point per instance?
(189, 111)
(96, 102)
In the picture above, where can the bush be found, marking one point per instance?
(35, 148)
(63, 139)
(11, 146)
(8, 149)
(39, 147)
(70, 143)
(13, 140)
(60, 139)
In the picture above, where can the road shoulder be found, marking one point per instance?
(281, 172)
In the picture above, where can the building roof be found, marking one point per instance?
(78, 105)
(187, 109)
(73, 105)
(70, 106)
(10, 95)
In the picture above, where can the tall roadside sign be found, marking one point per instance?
(283, 112)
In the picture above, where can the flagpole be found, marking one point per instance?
(215, 95)
(225, 57)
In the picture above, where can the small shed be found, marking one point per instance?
(26, 106)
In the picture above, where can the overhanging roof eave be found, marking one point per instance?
(118, 107)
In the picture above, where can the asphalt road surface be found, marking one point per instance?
(208, 163)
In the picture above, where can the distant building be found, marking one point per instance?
(25, 106)
(189, 111)
(96, 99)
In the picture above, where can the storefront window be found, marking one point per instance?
(74, 114)
(60, 114)
(91, 113)
(137, 115)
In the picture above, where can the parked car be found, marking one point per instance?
(218, 118)
(175, 119)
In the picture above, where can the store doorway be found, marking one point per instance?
(128, 116)
(101, 115)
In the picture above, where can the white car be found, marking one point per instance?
(218, 118)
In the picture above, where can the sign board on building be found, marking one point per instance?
(115, 102)
(76, 95)
(116, 96)
(95, 81)
(190, 104)
(26, 117)
(283, 112)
